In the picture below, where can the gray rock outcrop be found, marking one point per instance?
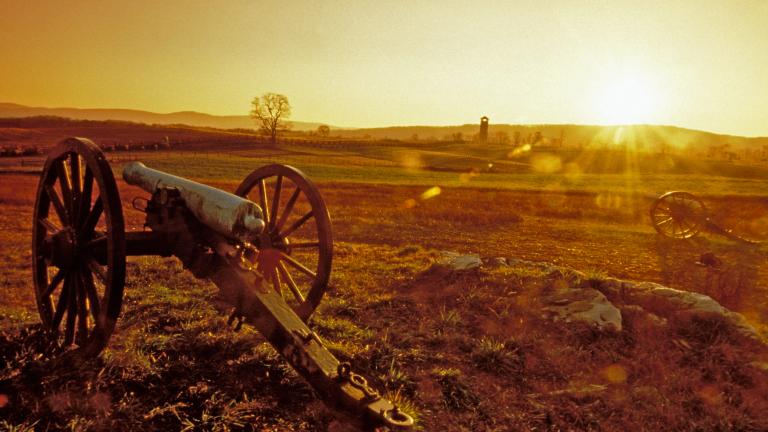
(585, 305)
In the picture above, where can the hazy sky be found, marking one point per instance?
(699, 63)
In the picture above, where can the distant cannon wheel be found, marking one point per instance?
(78, 247)
(678, 215)
(296, 248)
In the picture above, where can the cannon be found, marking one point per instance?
(270, 257)
(682, 215)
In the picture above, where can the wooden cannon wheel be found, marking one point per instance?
(678, 215)
(78, 247)
(296, 248)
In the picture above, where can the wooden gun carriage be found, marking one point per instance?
(270, 258)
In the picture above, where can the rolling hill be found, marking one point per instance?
(556, 135)
(190, 118)
(572, 135)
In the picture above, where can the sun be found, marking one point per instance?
(628, 100)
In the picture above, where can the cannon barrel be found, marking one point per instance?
(228, 214)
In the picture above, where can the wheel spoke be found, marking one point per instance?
(89, 224)
(276, 200)
(61, 305)
(57, 278)
(69, 333)
(61, 212)
(297, 265)
(85, 199)
(276, 282)
(288, 209)
(74, 171)
(98, 271)
(301, 245)
(296, 225)
(263, 200)
(93, 296)
(82, 311)
(90, 244)
(290, 282)
(66, 191)
(49, 226)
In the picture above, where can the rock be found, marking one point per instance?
(498, 262)
(592, 303)
(584, 305)
(656, 320)
(683, 300)
(453, 261)
(670, 302)
(611, 287)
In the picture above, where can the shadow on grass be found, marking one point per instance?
(728, 271)
(175, 379)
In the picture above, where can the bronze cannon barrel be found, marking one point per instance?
(228, 214)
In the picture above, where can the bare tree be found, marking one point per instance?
(269, 112)
(323, 130)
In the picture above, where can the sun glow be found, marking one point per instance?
(629, 99)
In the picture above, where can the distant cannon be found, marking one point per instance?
(270, 257)
(681, 215)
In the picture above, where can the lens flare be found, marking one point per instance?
(411, 160)
(608, 200)
(467, 176)
(546, 163)
(572, 171)
(710, 395)
(431, 193)
(615, 374)
(519, 151)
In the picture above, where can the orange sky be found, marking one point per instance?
(699, 63)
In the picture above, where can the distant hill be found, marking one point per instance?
(190, 118)
(572, 135)
(45, 131)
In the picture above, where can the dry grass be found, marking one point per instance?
(465, 352)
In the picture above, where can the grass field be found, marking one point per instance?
(225, 167)
(462, 353)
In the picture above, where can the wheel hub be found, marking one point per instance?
(64, 248)
(270, 246)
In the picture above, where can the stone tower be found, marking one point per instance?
(483, 137)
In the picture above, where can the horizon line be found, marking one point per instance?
(566, 123)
